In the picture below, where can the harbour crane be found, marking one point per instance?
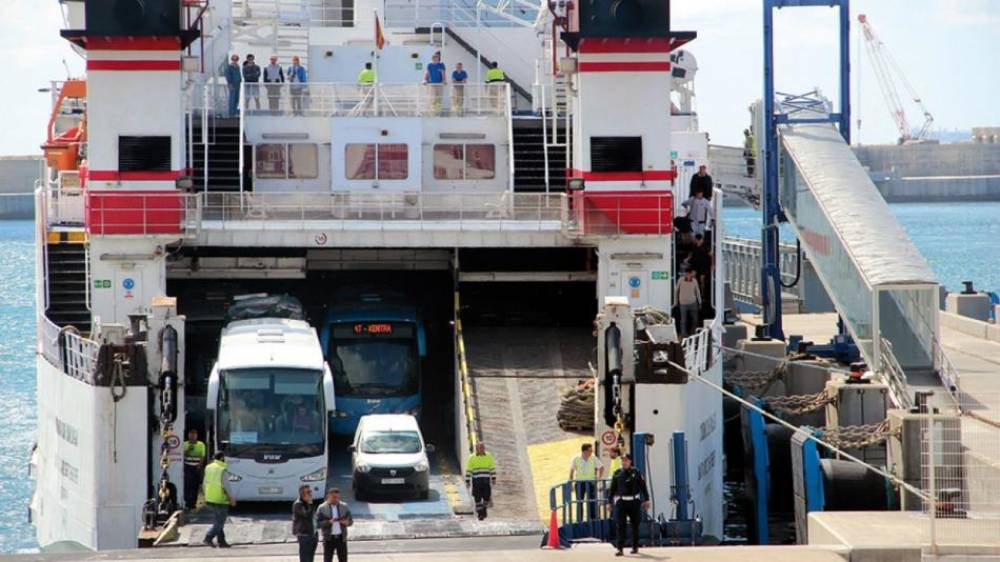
(887, 71)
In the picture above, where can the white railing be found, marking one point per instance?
(698, 351)
(417, 13)
(742, 258)
(528, 210)
(894, 376)
(379, 100)
(68, 351)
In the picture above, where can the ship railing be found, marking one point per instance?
(526, 210)
(328, 99)
(68, 351)
(411, 14)
(142, 213)
(618, 214)
(699, 351)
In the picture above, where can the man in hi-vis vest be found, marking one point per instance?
(586, 470)
(218, 499)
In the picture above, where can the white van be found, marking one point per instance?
(389, 456)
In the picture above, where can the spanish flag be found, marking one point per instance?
(379, 38)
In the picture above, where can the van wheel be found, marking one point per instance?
(359, 494)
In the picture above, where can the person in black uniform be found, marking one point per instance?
(702, 182)
(628, 493)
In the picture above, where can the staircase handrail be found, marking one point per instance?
(894, 376)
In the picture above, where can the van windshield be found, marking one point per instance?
(391, 442)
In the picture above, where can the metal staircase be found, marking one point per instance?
(273, 26)
(216, 154)
(539, 164)
(68, 276)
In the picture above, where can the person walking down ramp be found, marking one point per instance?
(480, 476)
(218, 498)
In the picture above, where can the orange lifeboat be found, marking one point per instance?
(62, 147)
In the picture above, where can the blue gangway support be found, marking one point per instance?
(681, 492)
(761, 463)
(770, 286)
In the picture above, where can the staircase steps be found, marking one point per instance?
(67, 285)
(529, 157)
(223, 169)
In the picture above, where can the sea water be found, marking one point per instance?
(959, 240)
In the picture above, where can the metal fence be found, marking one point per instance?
(960, 469)
(378, 100)
(742, 258)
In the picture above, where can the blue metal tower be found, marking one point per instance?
(770, 286)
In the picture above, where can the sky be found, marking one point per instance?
(948, 49)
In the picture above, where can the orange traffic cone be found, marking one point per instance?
(554, 532)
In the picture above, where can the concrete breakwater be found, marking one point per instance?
(934, 172)
(18, 175)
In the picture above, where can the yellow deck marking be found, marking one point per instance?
(550, 466)
(66, 237)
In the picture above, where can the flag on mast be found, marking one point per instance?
(379, 38)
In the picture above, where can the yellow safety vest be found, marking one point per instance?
(495, 75)
(215, 492)
(194, 453)
(616, 463)
(481, 466)
(585, 470)
(366, 76)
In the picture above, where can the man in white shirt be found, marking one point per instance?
(586, 469)
(333, 518)
(700, 212)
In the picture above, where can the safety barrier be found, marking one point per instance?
(68, 351)
(317, 99)
(140, 212)
(465, 388)
(617, 213)
(698, 351)
(894, 376)
(742, 257)
(582, 518)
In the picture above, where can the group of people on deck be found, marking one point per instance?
(695, 257)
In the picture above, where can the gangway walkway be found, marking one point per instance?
(879, 282)
(728, 167)
(517, 375)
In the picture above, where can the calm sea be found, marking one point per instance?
(958, 239)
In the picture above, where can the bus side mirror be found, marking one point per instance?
(328, 394)
(212, 396)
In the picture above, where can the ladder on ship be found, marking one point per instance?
(67, 280)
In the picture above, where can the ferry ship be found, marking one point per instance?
(541, 199)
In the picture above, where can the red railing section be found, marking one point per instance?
(135, 212)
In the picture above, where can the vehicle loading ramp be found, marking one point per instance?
(878, 280)
(517, 375)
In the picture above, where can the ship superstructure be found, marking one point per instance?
(169, 192)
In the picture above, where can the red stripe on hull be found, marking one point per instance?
(114, 175)
(128, 43)
(647, 175)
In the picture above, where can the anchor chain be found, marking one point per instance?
(857, 436)
(799, 403)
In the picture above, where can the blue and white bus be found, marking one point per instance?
(374, 347)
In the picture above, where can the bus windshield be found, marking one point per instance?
(375, 359)
(270, 409)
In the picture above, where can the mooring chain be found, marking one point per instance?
(857, 436)
(756, 381)
(799, 403)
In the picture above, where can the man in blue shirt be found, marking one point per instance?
(234, 75)
(297, 78)
(435, 79)
(458, 78)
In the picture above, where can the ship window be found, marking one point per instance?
(271, 161)
(287, 161)
(616, 154)
(303, 161)
(360, 161)
(464, 161)
(143, 154)
(376, 161)
(393, 162)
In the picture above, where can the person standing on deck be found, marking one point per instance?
(435, 78)
(750, 152)
(480, 476)
(459, 77)
(333, 518)
(586, 470)
(297, 79)
(700, 212)
(251, 75)
(274, 77)
(218, 498)
(495, 79)
(304, 523)
(234, 75)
